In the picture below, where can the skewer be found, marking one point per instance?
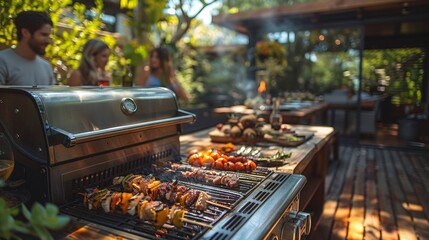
(177, 218)
(178, 215)
(156, 186)
(196, 223)
(218, 205)
(211, 203)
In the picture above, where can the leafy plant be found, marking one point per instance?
(270, 49)
(40, 220)
(134, 53)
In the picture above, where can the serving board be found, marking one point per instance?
(289, 138)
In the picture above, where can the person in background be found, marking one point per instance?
(160, 73)
(23, 65)
(92, 67)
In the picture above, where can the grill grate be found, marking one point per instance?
(248, 182)
(143, 229)
(130, 223)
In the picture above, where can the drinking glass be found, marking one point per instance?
(103, 83)
(7, 161)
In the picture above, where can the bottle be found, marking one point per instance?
(128, 78)
(276, 118)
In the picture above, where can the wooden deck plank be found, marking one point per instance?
(335, 167)
(356, 219)
(423, 160)
(339, 230)
(416, 197)
(421, 171)
(395, 177)
(387, 218)
(372, 213)
(334, 187)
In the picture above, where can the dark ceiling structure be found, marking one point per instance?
(386, 23)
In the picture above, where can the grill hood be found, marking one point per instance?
(58, 123)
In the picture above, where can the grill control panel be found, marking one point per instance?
(293, 225)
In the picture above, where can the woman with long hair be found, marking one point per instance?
(92, 67)
(160, 73)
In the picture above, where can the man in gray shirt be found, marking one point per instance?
(24, 65)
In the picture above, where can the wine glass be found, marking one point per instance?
(7, 161)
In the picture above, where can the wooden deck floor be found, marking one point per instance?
(376, 193)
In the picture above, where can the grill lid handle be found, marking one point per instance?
(70, 139)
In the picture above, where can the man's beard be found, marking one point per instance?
(35, 46)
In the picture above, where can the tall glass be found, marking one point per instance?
(7, 161)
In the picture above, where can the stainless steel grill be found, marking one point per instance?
(67, 140)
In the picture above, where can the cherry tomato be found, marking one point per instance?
(240, 159)
(218, 164)
(249, 165)
(215, 154)
(252, 165)
(239, 166)
(209, 152)
(231, 159)
(224, 160)
(193, 151)
(229, 166)
(207, 160)
(194, 159)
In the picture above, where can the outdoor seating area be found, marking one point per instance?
(343, 110)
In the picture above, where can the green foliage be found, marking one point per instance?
(398, 70)
(130, 4)
(9, 9)
(143, 18)
(72, 29)
(134, 53)
(270, 49)
(40, 220)
(191, 66)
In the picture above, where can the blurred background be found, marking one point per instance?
(303, 49)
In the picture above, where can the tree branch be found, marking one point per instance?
(185, 20)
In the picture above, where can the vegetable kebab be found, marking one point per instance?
(155, 212)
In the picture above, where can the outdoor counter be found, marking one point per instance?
(309, 159)
(302, 115)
